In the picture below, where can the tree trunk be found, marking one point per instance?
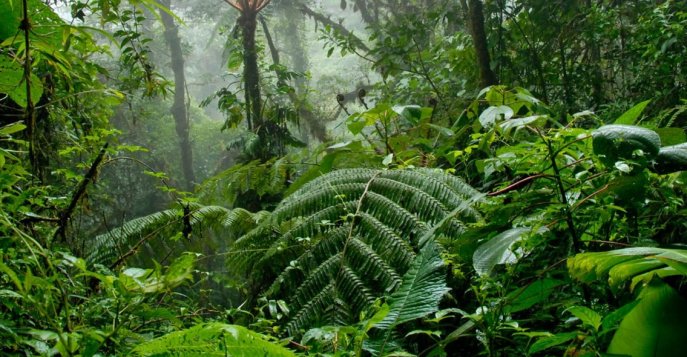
(316, 126)
(479, 40)
(251, 74)
(179, 106)
(594, 60)
(251, 77)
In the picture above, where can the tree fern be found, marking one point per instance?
(146, 231)
(348, 237)
(212, 339)
(263, 178)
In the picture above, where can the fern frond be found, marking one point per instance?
(313, 310)
(142, 231)
(105, 247)
(397, 251)
(347, 237)
(211, 339)
(262, 177)
(422, 288)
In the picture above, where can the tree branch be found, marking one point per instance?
(334, 25)
(78, 194)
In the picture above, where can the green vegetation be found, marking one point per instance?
(343, 178)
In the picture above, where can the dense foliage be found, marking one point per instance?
(343, 178)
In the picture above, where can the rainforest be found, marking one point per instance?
(343, 178)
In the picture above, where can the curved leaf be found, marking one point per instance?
(621, 265)
(492, 115)
(498, 250)
(621, 142)
(630, 117)
(671, 159)
(654, 327)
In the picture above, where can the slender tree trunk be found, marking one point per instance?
(564, 70)
(294, 43)
(317, 127)
(364, 13)
(179, 106)
(251, 77)
(479, 39)
(595, 62)
(251, 74)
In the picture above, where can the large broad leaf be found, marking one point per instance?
(9, 18)
(671, 159)
(13, 84)
(655, 327)
(413, 113)
(495, 114)
(420, 291)
(530, 295)
(498, 250)
(639, 264)
(212, 339)
(671, 136)
(625, 142)
(630, 117)
(43, 21)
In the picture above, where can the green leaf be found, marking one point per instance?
(630, 117)
(623, 142)
(552, 341)
(43, 20)
(412, 113)
(388, 160)
(461, 331)
(356, 124)
(12, 82)
(180, 270)
(211, 339)
(671, 159)
(353, 256)
(421, 289)
(656, 326)
(612, 319)
(530, 295)
(671, 136)
(511, 124)
(588, 316)
(9, 20)
(491, 115)
(639, 264)
(674, 259)
(497, 250)
(442, 130)
(12, 128)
